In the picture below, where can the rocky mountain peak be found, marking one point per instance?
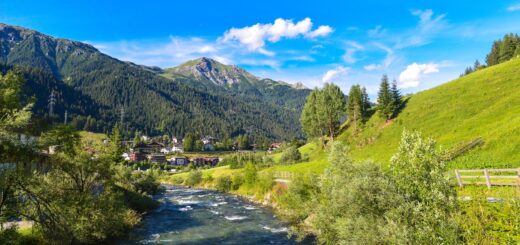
(214, 71)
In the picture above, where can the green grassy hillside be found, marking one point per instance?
(483, 104)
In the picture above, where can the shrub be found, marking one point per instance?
(264, 182)
(146, 182)
(239, 160)
(355, 199)
(413, 203)
(176, 180)
(194, 177)
(224, 183)
(250, 174)
(290, 155)
(430, 203)
(237, 181)
(267, 161)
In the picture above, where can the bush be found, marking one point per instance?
(290, 155)
(250, 174)
(430, 203)
(176, 180)
(355, 199)
(237, 181)
(267, 161)
(194, 177)
(264, 182)
(138, 202)
(146, 182)
(224, 183)
(239, 160)
(413, 203)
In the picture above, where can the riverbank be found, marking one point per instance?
(254, 186)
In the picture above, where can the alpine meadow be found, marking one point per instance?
(294, 122)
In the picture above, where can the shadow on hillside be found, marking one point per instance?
(403, 105)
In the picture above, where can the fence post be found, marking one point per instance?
(459, 180)
(488, 182)
(518, 177)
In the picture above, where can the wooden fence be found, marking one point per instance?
(283, 175)
(502, 177)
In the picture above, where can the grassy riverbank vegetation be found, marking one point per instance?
(412, 199)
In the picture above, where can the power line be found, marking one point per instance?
(52, 102)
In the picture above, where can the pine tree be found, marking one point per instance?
(115, 148)
(396, 97)
(477, 65)
(366, 102)
(188, 143)
(355, 106)
(507, 47)
(493, 56)
(384, 100)
(309, 116)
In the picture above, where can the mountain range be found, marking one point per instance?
(201, 96)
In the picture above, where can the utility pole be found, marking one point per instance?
(122, 115)
(52, 102)
(121, 121)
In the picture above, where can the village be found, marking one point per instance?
(172, 153)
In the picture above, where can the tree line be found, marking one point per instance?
(502, 50)
(325, 108)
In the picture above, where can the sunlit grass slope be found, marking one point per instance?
(483, 104)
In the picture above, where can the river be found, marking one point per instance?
(195, 216)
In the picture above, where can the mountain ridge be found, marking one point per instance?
(154, 103)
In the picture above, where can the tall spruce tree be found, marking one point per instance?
(311, 119)
(355, 106)
(366, 102)
(188, 143)
(493, 56)
(396, 97)
(507, 47)
(385, 99)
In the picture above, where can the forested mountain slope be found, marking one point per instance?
(153, 104)
(211, 75)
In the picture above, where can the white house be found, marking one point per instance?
(177, 148)
(166, 150)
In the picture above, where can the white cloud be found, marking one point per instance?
(322, 31)
(349, 56)
(376, 32)
(514, 7)
(303, 58)
(412, 75)
(274, 64)
(166, 53)
(373, 67)
(254, 37)
(428, 26)
(331, 75)
(389, 58)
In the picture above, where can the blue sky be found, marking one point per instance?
(419, 43)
